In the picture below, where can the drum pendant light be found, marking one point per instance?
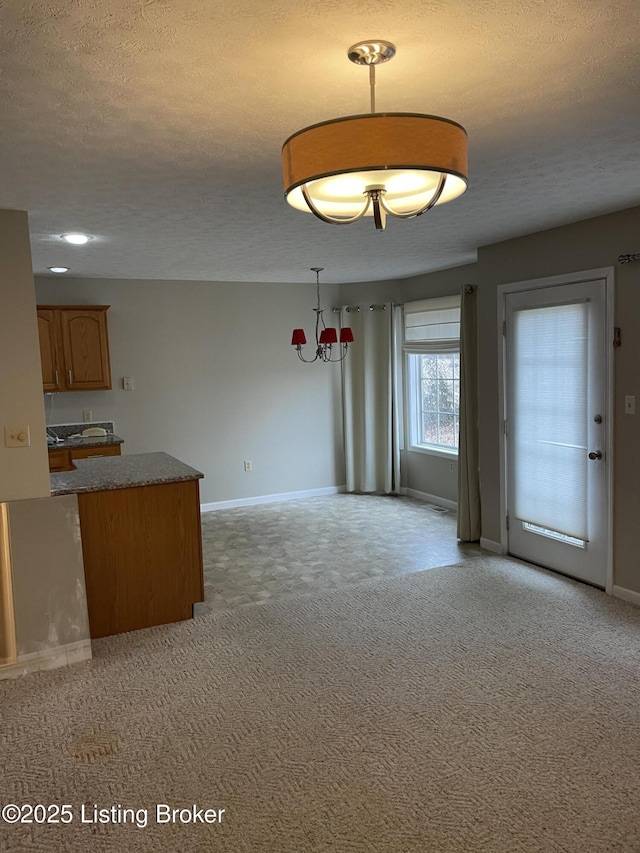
(377, 164)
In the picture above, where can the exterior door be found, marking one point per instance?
(556, 428)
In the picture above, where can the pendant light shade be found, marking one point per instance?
(405, 153)
(377, 164)
(329, 336)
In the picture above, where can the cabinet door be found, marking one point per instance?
(47, 334)
(59, 461)
(86, 349)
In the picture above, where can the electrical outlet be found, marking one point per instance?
(247, 465)
(87, 416)
(17, 436)
(450, 466)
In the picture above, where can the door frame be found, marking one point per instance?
(606, 273)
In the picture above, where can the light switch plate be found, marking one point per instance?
(17, 436)
(629, 404)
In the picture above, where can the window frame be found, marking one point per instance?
(413, 410)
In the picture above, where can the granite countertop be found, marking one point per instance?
(121, 472)
(69, 435)
(86, 441)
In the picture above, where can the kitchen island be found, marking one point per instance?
(141, 539)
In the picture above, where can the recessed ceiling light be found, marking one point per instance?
(58, 269)
(76, 239)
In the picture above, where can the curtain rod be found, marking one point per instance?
(373, 307)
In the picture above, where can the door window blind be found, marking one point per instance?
(550, 394)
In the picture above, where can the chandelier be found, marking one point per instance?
(377, 164)
(326, 337)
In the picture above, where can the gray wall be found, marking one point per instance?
(24, 471)
(216, 381)
(591, 244)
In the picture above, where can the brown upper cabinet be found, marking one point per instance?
(74, 347)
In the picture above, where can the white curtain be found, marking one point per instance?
(468, 475)
(371, 393)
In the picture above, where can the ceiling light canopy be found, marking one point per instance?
(58, 269)
(396, 164)
(76, 238)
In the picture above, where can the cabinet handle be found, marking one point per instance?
(70, 378)
(57, 380)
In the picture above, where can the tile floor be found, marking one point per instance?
(256, 553)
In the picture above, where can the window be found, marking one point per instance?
(432, 347)
(435, 385)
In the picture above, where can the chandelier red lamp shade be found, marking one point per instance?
(326, 337)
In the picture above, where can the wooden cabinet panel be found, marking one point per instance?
(47, 334)
(74, 347)
(95, 451)
(61, 459)
(142, 551)
(86, 349)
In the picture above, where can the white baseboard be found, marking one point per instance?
(626, 594)
(490, 545)
(430, 499)
(48, 659)
(268, 499)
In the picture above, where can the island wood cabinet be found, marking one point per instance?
(61, 459)
(74, 347)
(142, 551)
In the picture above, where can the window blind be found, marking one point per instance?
(432, 325)
(550, 397)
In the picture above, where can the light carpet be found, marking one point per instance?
(488, 706)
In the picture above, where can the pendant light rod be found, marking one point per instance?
(317, 271)
(372, 84)
(371, 53)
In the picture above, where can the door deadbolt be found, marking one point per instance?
(595, 454)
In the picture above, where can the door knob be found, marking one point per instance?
(595, 454)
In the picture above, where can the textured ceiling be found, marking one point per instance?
(156, 126)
